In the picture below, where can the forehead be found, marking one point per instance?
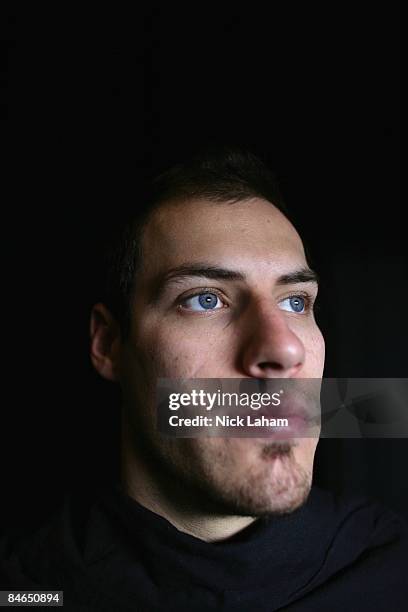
(251, 232)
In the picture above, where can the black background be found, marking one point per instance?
(89, 100)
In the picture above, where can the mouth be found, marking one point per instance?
(284, 422)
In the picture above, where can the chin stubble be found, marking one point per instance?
(275, 484)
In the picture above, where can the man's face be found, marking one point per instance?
(214, 299)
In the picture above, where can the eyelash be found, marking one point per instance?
(202, 290)
(309, 299)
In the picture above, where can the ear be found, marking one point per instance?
(105, 342)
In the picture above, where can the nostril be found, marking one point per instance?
(270, 365)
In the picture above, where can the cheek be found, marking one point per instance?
(314, 344)
(174, 352)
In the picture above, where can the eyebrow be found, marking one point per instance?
(203, 270)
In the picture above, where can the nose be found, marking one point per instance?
(270, 348)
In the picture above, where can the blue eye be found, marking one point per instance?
(295, 303)
(203, 301)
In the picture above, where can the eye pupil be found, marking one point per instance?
(297, 303)
(208, 300)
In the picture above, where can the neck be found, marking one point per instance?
(175, 503)
(205, 526)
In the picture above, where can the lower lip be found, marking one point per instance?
(297, 427)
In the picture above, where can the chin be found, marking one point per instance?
(278, 485)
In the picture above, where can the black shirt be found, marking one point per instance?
(111, 554)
